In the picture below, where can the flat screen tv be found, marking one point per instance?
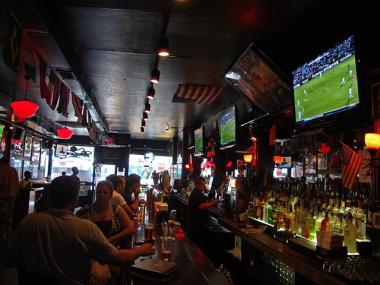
(198, 141)
(1, 132)
(326, 85)
(256, 77)
(227, 128)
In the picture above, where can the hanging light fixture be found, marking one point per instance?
(147, 108)
(143, 123)
(142, 129)
(64, 133)
(247, 157)
(151, 93)
(24, 108)
(155, 77)
(163, 47)
(372, 142)
(145, 116)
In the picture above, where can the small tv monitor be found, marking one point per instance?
(198, 141)
(326, 85)
(227, 128)
(1, 132)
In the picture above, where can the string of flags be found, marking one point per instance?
(21, 55)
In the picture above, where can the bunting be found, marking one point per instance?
(12, 45)
(78, 106)
(197, 94)
(45, 92)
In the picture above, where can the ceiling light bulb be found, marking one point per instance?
(163, 49)
(155, 78)
(151, 93)
(142, 129)
(147, 108)
(143, 123)
(145, 116)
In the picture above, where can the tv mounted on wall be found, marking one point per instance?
(326, 85)
(198, 141)
(261, 81)
(227, 128)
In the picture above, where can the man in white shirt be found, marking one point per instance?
(59, 245)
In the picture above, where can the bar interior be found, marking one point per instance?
(245, 136)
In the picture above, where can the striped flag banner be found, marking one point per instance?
(196, 94)
(351, 162)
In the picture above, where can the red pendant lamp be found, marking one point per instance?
(24, 108)
(64, 133)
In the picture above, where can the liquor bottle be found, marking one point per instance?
(311, 220)
(325, 223)
(350, 234)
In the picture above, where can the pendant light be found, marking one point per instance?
(24, 108)
(151, 93)
(145, 116)
(155, 77)
(142, 129)
(64, 133)
(143, 123)
(147, 107)
(163, 47)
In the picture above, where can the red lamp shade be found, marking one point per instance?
(64, 133)
(324, 148)
(229, 164)
(24, 108)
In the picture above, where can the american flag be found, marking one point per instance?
(351, 162)
(196, 94)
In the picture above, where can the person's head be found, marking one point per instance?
(133, 183)
(64, 192)
(200, 184)
(117, 182)
(104, 191)
(75, 170)
(27, 175)
(63, 173)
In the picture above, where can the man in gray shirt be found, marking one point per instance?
(59, 245)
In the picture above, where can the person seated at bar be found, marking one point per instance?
(21, 205)
(117, 198)
(112, 221)
(198, 211)
(75, 171)
(26, 183)
(132, 190)
(56, 247)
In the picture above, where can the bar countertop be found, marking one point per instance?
(195, 267)
(305, 265)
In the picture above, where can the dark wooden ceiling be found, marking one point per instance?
(111, 45)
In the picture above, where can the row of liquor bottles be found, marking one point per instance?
(303, 209)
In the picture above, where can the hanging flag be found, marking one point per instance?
(28, 58)
(12, 45)
(56, 90)
(84, 117)
(64, 98)
(78, 106)
(44, 90)
(197, 94)
(351, 162)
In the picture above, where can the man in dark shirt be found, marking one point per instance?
(75, 171)
(132, 190)
(198, 213)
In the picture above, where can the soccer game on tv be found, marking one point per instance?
(227, 127)
(198, 138)
(326, 85)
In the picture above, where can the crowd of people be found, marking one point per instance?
(318, 65)
(60, 247)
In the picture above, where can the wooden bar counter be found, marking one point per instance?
(309, 267)
(195, 267)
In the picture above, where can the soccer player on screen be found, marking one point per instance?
(305, 92)
(350, 92)
(343, 81)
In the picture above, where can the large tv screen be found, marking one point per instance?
(198, 138)
(327, 84)
(261, 81)
(227, 127)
